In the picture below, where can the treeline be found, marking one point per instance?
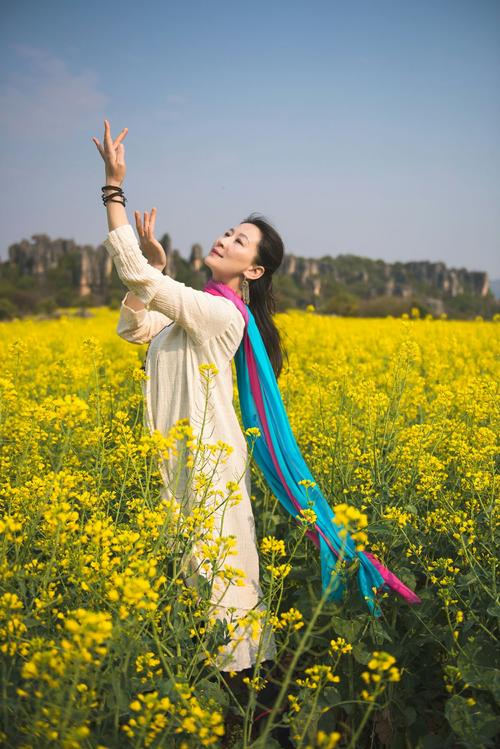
(22, 295)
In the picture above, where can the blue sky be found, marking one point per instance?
(369, 128)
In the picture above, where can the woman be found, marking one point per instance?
(187, 328)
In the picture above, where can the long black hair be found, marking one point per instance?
(270, 253)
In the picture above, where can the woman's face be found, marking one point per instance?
(232, 255)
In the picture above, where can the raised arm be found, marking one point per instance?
(202, 315)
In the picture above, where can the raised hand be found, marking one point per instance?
(113, 154)
(150, 246)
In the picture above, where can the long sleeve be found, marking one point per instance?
(202, 315)
(140, 326)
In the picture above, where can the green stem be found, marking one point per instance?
(310, 716)
(353, 744)
(261, 741)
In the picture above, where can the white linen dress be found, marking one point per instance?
(186, 327)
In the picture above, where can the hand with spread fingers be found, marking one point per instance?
(113, 154)
(150, 246)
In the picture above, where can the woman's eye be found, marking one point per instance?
(227, 234)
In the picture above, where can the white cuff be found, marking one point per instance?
(119, 239)
(132, 315)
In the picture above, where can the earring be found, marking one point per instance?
(245, 291)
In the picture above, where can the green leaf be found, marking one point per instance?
(310, 716)
(212, 690)
(349, 629)
(475, 667)
(377, 529)
(329, 697)
(328, 722)
(494, 609)
(410, 715)
(361, 654)
(430, 742)
(379, 632)
(475, 724)
(272, 743)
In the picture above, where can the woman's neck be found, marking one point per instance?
(229, 286)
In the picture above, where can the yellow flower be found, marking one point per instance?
(293, 617)
(208, 370)
(253, 431)
(326, 740)
(294, 703)
(340, 645)
(272, 545)
(308, 515)
(381, 661)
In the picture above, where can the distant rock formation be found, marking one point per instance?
(381, 278)
(91, 268)
(196, 257)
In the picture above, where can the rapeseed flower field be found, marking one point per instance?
(102, 643)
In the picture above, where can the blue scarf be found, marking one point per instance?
(280, 460)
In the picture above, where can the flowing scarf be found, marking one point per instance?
(278, 456)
